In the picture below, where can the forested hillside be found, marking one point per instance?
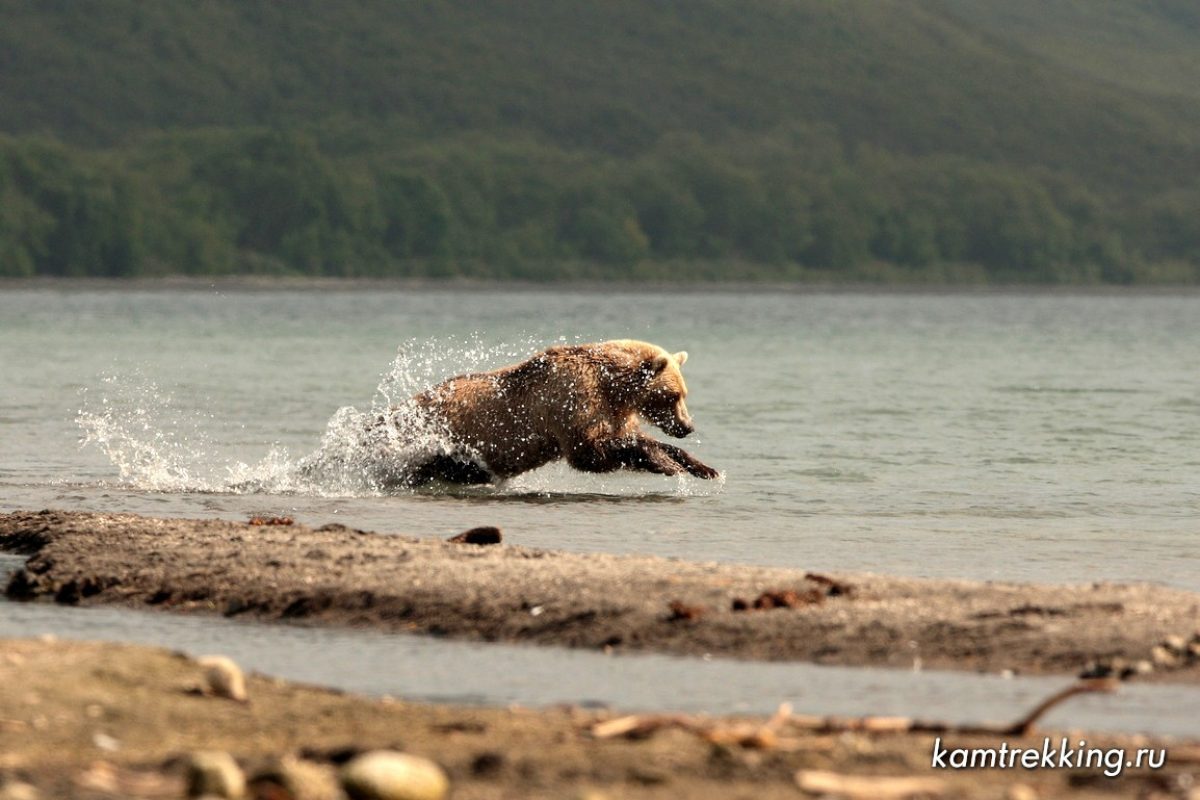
(896, 140)
(1148, 46)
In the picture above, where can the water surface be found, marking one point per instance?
(1043, 437)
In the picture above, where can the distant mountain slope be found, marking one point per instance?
(902, 75)
(1148, 46)
(891, 140)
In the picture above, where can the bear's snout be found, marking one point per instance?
(680, 428)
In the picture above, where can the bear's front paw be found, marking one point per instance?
(704, 471)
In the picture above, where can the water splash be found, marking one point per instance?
(159, 446)
(135, 424)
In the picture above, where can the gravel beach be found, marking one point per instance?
(80, 720)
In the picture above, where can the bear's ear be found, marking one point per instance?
(656, 365)
(681, 357)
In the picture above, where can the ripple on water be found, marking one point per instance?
(1039, 389)
(835, 475)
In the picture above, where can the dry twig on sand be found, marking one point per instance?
(744, 734)
(766, 735)
(820, 782)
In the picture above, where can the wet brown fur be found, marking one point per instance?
(578, 402)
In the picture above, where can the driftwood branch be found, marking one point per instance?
(766, 735)
(1024, 726)
(750, 735)
(820, 782)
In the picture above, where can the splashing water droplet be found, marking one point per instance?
(148, 452)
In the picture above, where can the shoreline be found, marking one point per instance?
(86, 720)
(251, 283)
(339, 576)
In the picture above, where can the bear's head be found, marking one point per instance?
(661, 391)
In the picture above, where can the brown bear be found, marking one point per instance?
(578, 402)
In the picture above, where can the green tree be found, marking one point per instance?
(603, 227)
(283, 200)
(416, 216)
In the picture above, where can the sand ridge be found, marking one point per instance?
(334, 575)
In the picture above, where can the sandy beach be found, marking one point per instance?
(333, 575)
(82, 720)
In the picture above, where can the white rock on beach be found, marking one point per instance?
(386, 775)
(215, 774)
(300, 779)
(224, 677)
(1176, 644)
(15, 790)
(1162, 657)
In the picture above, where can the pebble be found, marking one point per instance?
(100, 776)
(214, 773)
(484, 535)
(1021, 792)
(16, 790)
(1162, 657)
(1102, 669)
(386, 775)
(299, 780)
(1176, 644)
(105, 742)
(224, 677)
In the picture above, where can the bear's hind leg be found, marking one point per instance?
(449, 469)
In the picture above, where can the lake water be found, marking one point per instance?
(1040, 437)
(1034, 437)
